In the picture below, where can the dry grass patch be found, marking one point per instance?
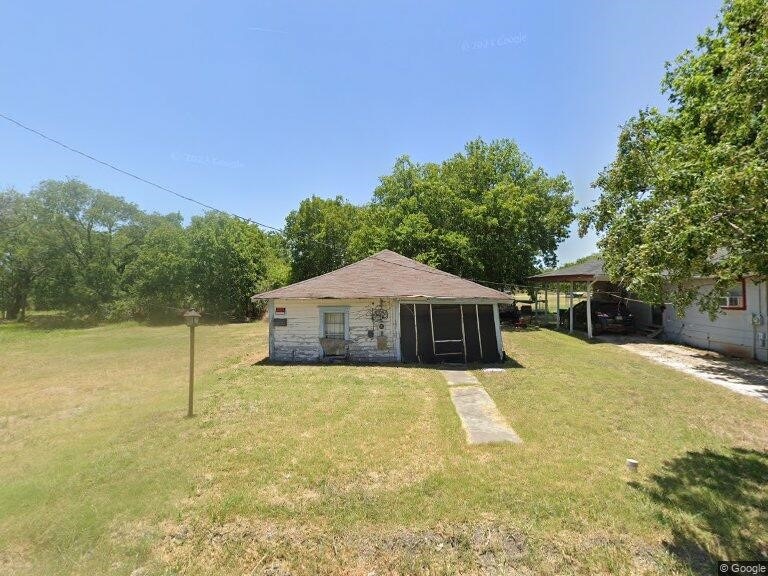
(249, 547)
(360, 469)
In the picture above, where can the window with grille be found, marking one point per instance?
(333, 323)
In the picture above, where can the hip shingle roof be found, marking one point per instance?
(386, 274)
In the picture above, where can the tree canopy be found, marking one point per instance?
(23, 254)
(317, 235)
(487, 213)
(686, 195)
(228, 263)
(71, 247)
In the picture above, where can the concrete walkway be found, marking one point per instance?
(480, 418)
(460, 378)
(742, 376)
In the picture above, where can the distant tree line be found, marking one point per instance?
(67, 246)
(487, 214)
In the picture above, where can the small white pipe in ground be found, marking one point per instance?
(632, 465)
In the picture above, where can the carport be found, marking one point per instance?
(628, 313)
(587, 272)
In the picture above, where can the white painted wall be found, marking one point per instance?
(299, 341)
(730, 333)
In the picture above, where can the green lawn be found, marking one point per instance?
(340, 469)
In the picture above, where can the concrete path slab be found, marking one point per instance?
(482, 421)
(742, 376)
(459, 377)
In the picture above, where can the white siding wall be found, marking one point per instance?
(299, 341)
(731, 333)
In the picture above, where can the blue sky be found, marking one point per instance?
(252, 106)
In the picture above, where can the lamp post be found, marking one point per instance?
(192, 319)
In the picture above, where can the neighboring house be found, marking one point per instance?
(385, 308)
(740, 330)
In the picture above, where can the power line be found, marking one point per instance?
(131, 174)
(189, 198)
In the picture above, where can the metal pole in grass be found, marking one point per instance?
(192, 319)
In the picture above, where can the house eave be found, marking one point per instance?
(402, 298)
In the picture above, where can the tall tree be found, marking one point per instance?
(71, 247)
(229, 262)
(88, 228)
(24, 253)
(487, 213)
(686, 195)
(156, 280)
(317, 235)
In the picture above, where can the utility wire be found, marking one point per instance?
(189, 198)
(130, 174)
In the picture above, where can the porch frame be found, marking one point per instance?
(461, 303)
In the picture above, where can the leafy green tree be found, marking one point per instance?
(229, 262)
(156, 281)
(24, 255)
(686, 195)
(278, 262)
(71, 247)
(487, 213)
(87, 228)
(317, 235)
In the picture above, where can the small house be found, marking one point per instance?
(739, 329)
(385, 308)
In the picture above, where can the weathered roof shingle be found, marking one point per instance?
(386, 274)
(591, 269)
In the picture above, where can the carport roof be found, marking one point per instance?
(386, 274)
(586, 271)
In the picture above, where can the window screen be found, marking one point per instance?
(334, 324)
(734, 298)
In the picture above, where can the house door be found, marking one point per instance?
(416, 333)
(408, 343)
(447, 333)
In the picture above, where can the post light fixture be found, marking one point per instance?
(191, 319)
